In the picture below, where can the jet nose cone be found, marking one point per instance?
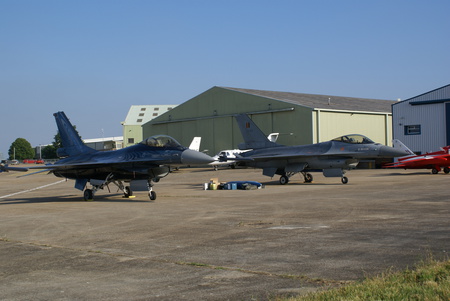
(190, 156)
(390, 152)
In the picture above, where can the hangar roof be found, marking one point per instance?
(141, 114)
(315, 101)
(439, 95)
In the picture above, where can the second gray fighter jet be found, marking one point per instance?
(333, 157)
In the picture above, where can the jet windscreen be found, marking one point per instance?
(354, 139)
(162, 141)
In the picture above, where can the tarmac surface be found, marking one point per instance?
(192, 244)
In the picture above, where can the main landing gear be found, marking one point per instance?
(284, 179)
(437, 169)
(88, 194)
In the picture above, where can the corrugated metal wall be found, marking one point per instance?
(430, 117)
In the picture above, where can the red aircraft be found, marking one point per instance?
(435, 161)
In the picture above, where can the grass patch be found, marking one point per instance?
(430, 280)
(195, 264)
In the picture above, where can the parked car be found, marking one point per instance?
(10, 162)
(28, 161)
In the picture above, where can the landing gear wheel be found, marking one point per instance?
(152, 195)
(88, 195)
(284, 180)
(344, 180)
(308, 178)
(128, 192)
(446, 170)
(434, 171)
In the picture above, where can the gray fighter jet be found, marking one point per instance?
(333, 157)
(139, 165)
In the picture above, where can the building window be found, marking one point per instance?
(141, 114)
(130, 140)
(156, 109)
(155, 114)
(139, 120)
(412, 129)
(143, 109)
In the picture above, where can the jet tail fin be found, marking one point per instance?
(446, 149)
(71, 141)
(397, 144)
(254, 138)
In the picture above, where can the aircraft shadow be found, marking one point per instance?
(293, 183)
(112, 198)
(407, 174)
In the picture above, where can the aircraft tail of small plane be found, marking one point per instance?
(446, 149)
(195, 144)
(254, 138)
(71, 141)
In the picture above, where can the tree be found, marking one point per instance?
(21, 149)
(57, 142)
(49, 152)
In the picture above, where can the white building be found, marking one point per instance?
(106, 143)
(423, 122)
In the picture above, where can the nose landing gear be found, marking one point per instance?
(151, 193)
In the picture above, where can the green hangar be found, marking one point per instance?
(298, 118)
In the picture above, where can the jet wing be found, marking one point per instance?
(394, 165)
(267, 157)
(8, 168)
(88, 165)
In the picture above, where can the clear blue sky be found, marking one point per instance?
(94, 59)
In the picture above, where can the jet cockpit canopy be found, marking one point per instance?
(354, 139)
(162, 141)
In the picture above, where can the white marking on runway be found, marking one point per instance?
(32, 189)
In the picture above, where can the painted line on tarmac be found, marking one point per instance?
(32, 189)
